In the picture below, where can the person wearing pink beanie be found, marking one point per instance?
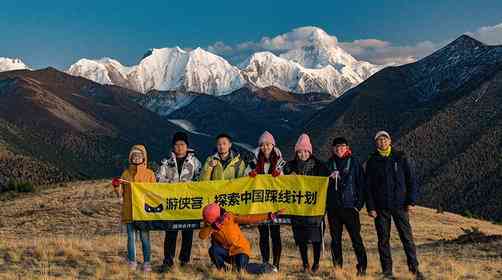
(268, 160)
(266, 137)
(307, 229)
(303, 144)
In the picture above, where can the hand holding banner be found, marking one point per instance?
(297, 195)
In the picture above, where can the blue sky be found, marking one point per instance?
(58, 33)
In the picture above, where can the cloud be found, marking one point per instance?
(294, 39)
(385, 53)
(491, 35)
(372, 50)
(297, 38)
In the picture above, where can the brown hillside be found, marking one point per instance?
(73, 232)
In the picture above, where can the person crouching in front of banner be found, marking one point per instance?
(136, 172)
(228, 243)
(225, 164)
(182, 166)
(346, 190)
(307, 229)
(268, 160)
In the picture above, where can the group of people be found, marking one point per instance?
(385, 184)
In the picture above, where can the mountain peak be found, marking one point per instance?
(466, 41)
(303, 60)
(306, 36)
(464, 46)
(8, 64)
(201, 52)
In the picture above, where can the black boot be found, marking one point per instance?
(315, 268)
(418, 274)
(388, 275)
(166, 266)
(361, 270)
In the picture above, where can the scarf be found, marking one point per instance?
(260, 165)
(386, 152)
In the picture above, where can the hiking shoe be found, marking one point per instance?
(419, 275)
(166, 268)
(361, 273)
(388, 275)
(315, 268)
(147, 267)
(132, 265)
(306, 269)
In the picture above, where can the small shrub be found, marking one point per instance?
(16, 186)
(25, 187)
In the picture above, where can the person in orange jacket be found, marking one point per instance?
(136, 172)
(228, 243)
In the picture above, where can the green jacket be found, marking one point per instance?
(235, 168)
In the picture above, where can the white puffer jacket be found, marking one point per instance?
(168, 171)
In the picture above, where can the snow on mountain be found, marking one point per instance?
(165, 102)
(104, 71)
(166, 69)
(266, 69)
(209, 73)
(9, 64)
(313, 63)
(188, 126)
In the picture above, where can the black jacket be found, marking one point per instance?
(306, 229)
(391, 181)
(310, 167)
(349, 190)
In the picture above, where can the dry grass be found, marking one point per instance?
(73, 233)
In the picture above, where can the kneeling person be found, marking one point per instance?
(228, 242)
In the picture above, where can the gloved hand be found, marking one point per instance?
(116, 182)
(253, 173)
(216, 226)
(218, 223)
(273, 215)
(335, 175)
(276, 173)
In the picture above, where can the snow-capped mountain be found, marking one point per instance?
(316, 63)
(266, 69)
(104, 71)
(166, 69)
(8, 64)
(317, 50)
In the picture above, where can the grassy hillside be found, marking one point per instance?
(55, 127)
(73, 232)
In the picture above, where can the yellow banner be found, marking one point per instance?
(298, 195)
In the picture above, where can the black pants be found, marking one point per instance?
(316, 246)
(273, 232)
(349, 217)
(383, 226)
(170, 246)
(219, 256)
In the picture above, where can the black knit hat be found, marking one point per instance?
(339, 141)
(180, 136)
(224, 135)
